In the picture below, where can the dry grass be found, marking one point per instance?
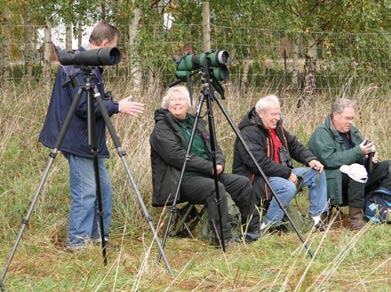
(344, 260)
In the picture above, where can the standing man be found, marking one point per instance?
(339, 146)
(273, 148)
(83, 217)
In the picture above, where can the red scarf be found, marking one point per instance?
(276, 144)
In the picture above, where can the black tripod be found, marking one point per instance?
(208, 94)
(92, 91)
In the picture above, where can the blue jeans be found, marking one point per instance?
(83, 216)
(286, 191)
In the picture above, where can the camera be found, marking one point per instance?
(96, 57)
(369, 162)
(218, 60)
(109, 96)
(285, 157)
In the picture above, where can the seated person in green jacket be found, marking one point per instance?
(344, 154)
(169, 142)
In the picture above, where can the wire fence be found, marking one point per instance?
(277, 60)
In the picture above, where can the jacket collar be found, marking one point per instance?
(329, 124)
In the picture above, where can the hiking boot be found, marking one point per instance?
(356, 218)
(228, 242)
(232, 241)
(252, 236)
(98, 241)
(320, 227)
(75, 247)
(279, 228)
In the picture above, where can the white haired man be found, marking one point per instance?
(273, 148)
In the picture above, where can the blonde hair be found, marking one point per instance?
(180, 88)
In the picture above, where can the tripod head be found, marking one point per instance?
(212, 66)
(86, 71)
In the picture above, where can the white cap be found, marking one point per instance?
(356, 172)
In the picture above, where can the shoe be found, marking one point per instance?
(108, 246)
(356, 218)
(279, 228)
(75, 247)
(228, 242)
(252, 236)
(98, 241)
(232, 241)
(319, 227)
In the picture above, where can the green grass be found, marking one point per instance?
(345, 260)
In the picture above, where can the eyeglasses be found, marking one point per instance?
(176, 99)
(347, 119)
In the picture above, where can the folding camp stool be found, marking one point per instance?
(185, 219)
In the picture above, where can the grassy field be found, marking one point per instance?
(344, 261)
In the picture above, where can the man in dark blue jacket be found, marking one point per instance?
(83, 219)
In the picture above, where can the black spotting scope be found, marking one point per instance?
(95, 57)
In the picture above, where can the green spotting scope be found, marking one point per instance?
(216, 60)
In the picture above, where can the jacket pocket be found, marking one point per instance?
(333, 191)
(168, 186)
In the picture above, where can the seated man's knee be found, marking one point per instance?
(221, 193)
(316, 177)
(291, 190)
(287, 192)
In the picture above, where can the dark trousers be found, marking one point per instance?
(379, 177)
(201, 190)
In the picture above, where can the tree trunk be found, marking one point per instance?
(206, 26)
(31, 46)
(295, 63)
(68, 36)
(135, 71)
(309, 79)
(308, 83)
(246, 68)
(80, 36)
(48, 48)
(5, 44)
(30, 49)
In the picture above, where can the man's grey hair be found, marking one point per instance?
(170, 92)
(340, 104)
(265, 102)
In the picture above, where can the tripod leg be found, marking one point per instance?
(121, 154)
(92, 140)
(145, 211)
(28, 215)
(212, 132)
(52, 155)
(167, 231)
(237, 132)
(100, 209)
